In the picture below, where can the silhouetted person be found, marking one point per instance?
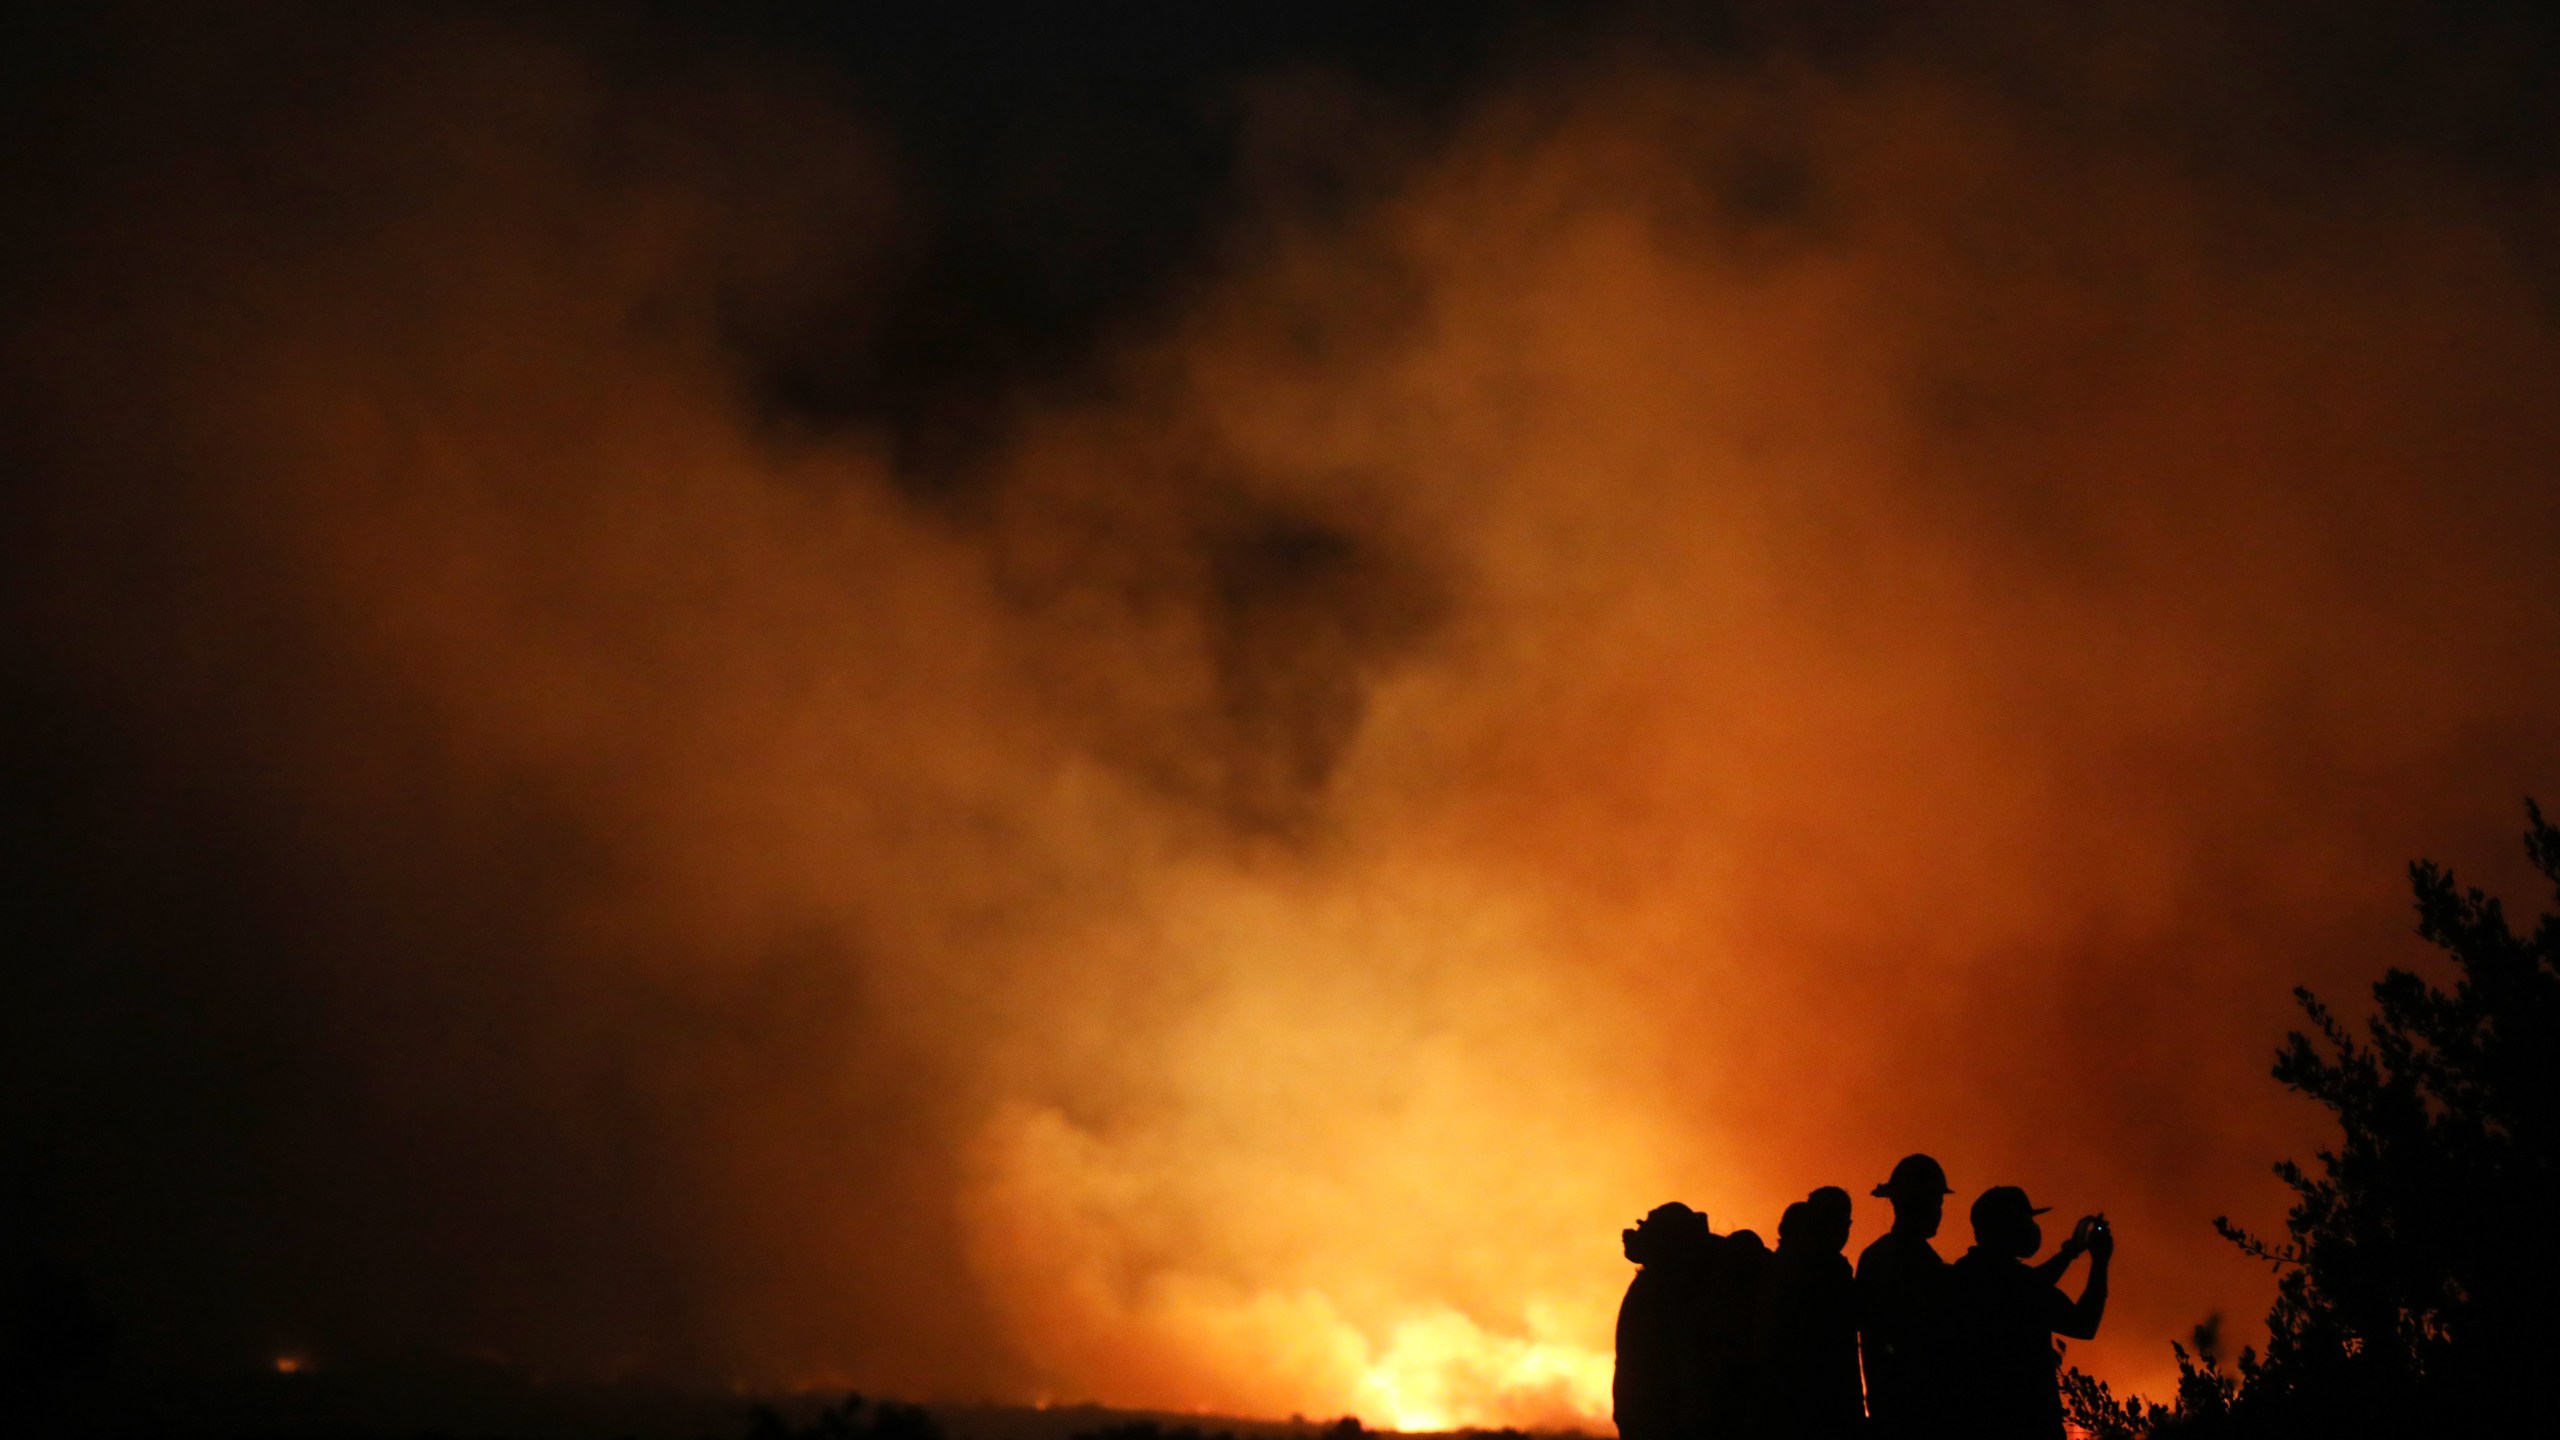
(1902, 1293)
(1735, 1394)
(1809, 1325)
(1659, 1392)
(2004, 1314)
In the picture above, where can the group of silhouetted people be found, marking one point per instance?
(1722, 1338)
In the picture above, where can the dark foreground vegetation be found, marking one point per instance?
(2420, 1270)
(854, 1420)
(850, 1419)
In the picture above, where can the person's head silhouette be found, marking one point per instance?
(1918, 1189)
(1797, 1227)
(1668, 1235)
(2005, 1224)
(1830, 1206)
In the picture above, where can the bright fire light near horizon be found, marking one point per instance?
(1405, 1135)
(1444, 1373)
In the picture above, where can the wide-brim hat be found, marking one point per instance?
(1915, 1175)
(2005, 1202)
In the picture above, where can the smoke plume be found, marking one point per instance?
(1721, 617)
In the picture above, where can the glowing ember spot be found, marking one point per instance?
(290, 1363)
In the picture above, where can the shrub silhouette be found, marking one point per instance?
(852, 1418)
(2200, 1408)
(1151, 1430)
(2416, 1284)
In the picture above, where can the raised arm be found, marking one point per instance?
(2079, 1321)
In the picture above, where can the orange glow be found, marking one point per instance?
(1329, 1135)
(1584, 683)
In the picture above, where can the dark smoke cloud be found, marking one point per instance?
(371, 371)
(1742, 601)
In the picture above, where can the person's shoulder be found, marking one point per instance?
(1989, 1274)
(1653, 1291)
(1982, 1267)
(1891, 1251)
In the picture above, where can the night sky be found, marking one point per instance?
(1158, 703)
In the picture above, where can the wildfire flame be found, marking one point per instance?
(1442, 1371)
(1412, 1168)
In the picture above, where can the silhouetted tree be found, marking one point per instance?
(2417, 1283)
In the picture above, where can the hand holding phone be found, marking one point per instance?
(2100, 1236)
